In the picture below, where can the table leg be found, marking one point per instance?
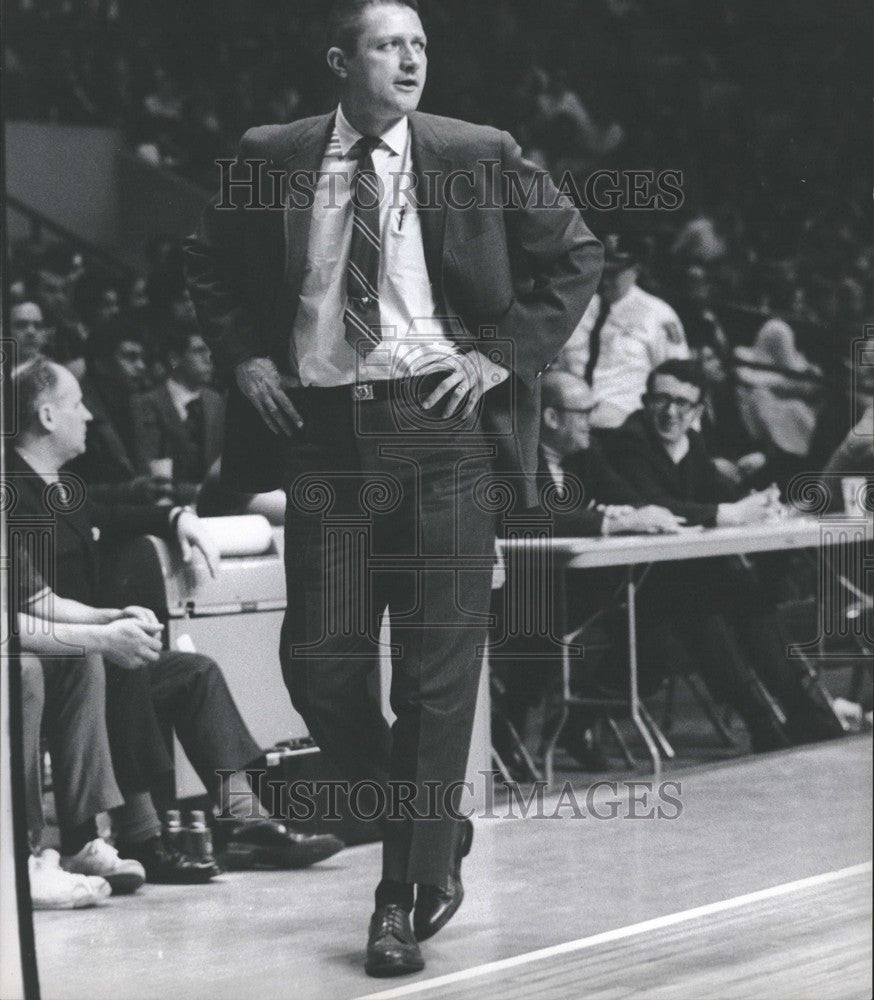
(634, 695)
(564, 712)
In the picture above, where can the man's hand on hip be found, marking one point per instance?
(260, 382)
(469, 377)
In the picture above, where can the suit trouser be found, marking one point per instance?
(184, 692)
(381, 514)
(190, 696)
(65, 698)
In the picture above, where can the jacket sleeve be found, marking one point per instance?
(214, 270)
(148, 439)
(634, 463)
(563, 261)
(606, 484)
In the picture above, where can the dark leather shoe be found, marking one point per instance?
(391, 947)
(267, 843)
(165, 866)
(437, 904)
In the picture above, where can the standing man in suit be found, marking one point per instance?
(182, 418)
(384, 357)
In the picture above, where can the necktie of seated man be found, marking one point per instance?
(194, 426)
(595, 342)
(362, 275)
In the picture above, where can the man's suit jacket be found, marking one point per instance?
(161, 433)
(525, 272)
(692, 489)
(594, 482)
(72, 564)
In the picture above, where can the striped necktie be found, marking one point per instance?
(361, 318)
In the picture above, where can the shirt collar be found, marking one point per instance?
(395, 137)
(677, 452)
(181, 395)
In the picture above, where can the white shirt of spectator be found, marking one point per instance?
(641, 331)
(319, 352)
(181, 396)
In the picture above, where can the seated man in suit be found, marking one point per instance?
(603, 504)
(182, 418)
(184, 690)
(734, 624)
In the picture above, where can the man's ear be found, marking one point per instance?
(45, 417)
(337, 62)
(550, 417)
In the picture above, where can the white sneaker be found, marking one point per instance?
(51, 888)
(98, 857)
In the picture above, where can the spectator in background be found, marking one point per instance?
(28, 330)
(624, 334)
(57, 271)
(183, 418)
(778, 393)
(96, 298)
(733, 449)
(117, 375)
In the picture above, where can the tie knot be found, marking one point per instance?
(364, 147)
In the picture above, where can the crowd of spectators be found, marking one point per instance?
(764, 275)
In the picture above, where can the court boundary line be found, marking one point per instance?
(621, 933)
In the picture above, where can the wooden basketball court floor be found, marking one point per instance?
(761, 888)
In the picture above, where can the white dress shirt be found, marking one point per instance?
(411, 333)
(641, 331)
(181, 396)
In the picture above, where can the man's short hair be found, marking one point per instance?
(31, 381)
(683, 371)
(344, 20)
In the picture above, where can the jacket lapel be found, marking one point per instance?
(306, 158)
(428, 158)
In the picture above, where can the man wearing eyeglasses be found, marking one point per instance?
(658, 451)
(718, 608)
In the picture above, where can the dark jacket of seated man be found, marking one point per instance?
(579, 490)
(661, 455)
(581, 496)
(692, 488)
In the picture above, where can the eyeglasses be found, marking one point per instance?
(574, 409)
(663, 401)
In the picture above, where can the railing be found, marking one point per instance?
(39, 222)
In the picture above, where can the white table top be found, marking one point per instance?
(691, 543)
